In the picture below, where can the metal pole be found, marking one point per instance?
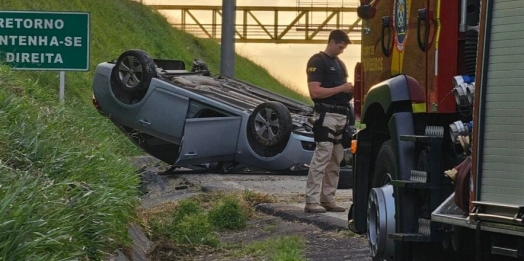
(62, 86)
(227, 51)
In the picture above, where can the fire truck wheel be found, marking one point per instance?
(384, 165)
(381, 206)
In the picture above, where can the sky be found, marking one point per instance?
(286, 62)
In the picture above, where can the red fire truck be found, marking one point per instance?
(439, 162)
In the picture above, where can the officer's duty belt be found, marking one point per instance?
(331, 108)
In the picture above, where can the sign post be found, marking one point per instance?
(57, 41)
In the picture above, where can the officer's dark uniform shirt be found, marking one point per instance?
(330, 72)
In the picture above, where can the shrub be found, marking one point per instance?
(187, 225)
(185, 208)
(228, 214)
(194, 230)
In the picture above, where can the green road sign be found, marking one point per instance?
(44, 40)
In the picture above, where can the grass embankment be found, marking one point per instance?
(67, 190)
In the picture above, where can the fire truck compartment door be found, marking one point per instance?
(500, 129)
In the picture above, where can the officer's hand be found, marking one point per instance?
(347, 87)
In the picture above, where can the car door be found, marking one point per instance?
(163, 113)
(208, 140)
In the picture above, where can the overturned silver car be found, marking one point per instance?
(188, 117)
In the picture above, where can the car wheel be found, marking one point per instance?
(133, 71)
(270, 124)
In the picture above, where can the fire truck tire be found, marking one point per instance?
(384, 165)
(381, 206)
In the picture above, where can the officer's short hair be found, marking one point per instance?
(339, 36)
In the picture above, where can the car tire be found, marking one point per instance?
(345, 180)
(270, 124)
(133, 71)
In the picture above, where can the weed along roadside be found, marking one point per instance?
(214, 217)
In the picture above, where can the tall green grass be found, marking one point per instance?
(64, 193)
(67, 188)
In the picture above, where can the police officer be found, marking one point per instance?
(331, 93)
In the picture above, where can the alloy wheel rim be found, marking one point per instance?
(130, 71)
